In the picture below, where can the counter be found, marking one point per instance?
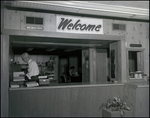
(62, 100)
(69, 85)
(138, 84)
(137, 96)
(76, 99)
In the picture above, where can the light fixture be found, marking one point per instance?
(69, 50)
(50, 49)
(29, 49)
(57, 44)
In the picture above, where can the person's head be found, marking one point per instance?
(25, 57)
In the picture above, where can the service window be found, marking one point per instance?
(135, 63)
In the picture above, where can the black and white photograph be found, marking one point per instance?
(74, 58)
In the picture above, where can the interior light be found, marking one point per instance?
(29, 49)
(69, 50)
(50, 49)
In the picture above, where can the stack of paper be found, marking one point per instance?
(14, 85)
(19, 76)
(42, 77)
(16, 79)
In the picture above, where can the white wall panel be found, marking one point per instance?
(11, 19)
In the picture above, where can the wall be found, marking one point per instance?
(62, 101)
(137, 98)
(16, 20)
(85, 66)
(136, 33)
(101, 65)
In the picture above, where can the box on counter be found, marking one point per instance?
(31, 84)
(44, 81)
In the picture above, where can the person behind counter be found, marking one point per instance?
(74, 76)
(33, 70)
(72, 72)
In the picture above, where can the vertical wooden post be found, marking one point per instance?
(92, 64)
(120, 60)
(4, 75)
(140, 61)
(85, 68)
(101, 63)
(123, 62)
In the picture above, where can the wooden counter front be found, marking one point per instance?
(65, 100)
(137, 97)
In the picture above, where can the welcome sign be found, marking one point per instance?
(69, 24)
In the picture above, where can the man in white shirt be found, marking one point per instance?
(33, 70)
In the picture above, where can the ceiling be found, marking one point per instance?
(137, 10)
(121, 9)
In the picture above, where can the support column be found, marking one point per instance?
(92, 64)
(4, 75)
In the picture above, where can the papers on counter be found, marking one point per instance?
(31, 84)
(42, 77)
(18, 76)
(14, 86)
(16, 79)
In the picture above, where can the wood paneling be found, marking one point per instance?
(62, 35)
(2, 15)
(140, 62)
(142, 102)
(12, 19)
(136, 33)
(62, 102)
(119, 61)
(138, 99)
(122, 70)
(85, 70)
(49, 20)
(101, 65)
(4, 74)
(114, 57)
(92, 64)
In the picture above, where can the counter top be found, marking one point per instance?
(69, 85)
(138, 84)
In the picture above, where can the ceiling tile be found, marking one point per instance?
(140, 4)
(121, 3)
(101, 2)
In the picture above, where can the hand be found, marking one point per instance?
(25, 71)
